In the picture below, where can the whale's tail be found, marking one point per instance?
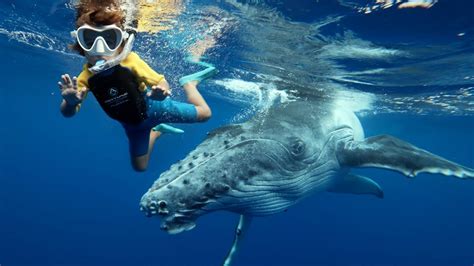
(388, 152)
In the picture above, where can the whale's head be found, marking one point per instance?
(234, 169)
(194, 185)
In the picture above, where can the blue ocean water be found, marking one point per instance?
(68, 195)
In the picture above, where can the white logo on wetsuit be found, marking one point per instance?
(113, 92)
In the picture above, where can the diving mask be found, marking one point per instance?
(100, 41)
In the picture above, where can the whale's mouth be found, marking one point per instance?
(176, 226)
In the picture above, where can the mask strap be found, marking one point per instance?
(101, 65)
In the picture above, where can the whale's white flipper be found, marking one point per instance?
(388, 152)
(240, 231)
(354, 184)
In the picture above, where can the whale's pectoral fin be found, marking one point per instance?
(354, 184)
(391, 153)
(240, 231)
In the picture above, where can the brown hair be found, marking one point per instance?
(97, 13)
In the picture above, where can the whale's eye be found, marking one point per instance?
(297, 147)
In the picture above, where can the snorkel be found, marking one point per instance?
(103, 65)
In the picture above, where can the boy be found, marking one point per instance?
(119, 79)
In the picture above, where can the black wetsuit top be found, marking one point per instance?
(116, 90)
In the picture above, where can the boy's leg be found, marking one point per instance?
(140, 140)
(195, 98)
(190, 83)
(140, 162)
(153, 136)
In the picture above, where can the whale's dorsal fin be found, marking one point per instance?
(388, 152)
(354, 184)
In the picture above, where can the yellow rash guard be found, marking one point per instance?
(146, 76)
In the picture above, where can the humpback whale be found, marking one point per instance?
(276, 159)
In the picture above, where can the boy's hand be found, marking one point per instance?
(158, 92)
(69, 90)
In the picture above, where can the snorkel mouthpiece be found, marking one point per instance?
(99, 63)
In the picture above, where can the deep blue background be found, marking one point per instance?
(68, 194)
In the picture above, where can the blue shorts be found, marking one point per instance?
(166, 111)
